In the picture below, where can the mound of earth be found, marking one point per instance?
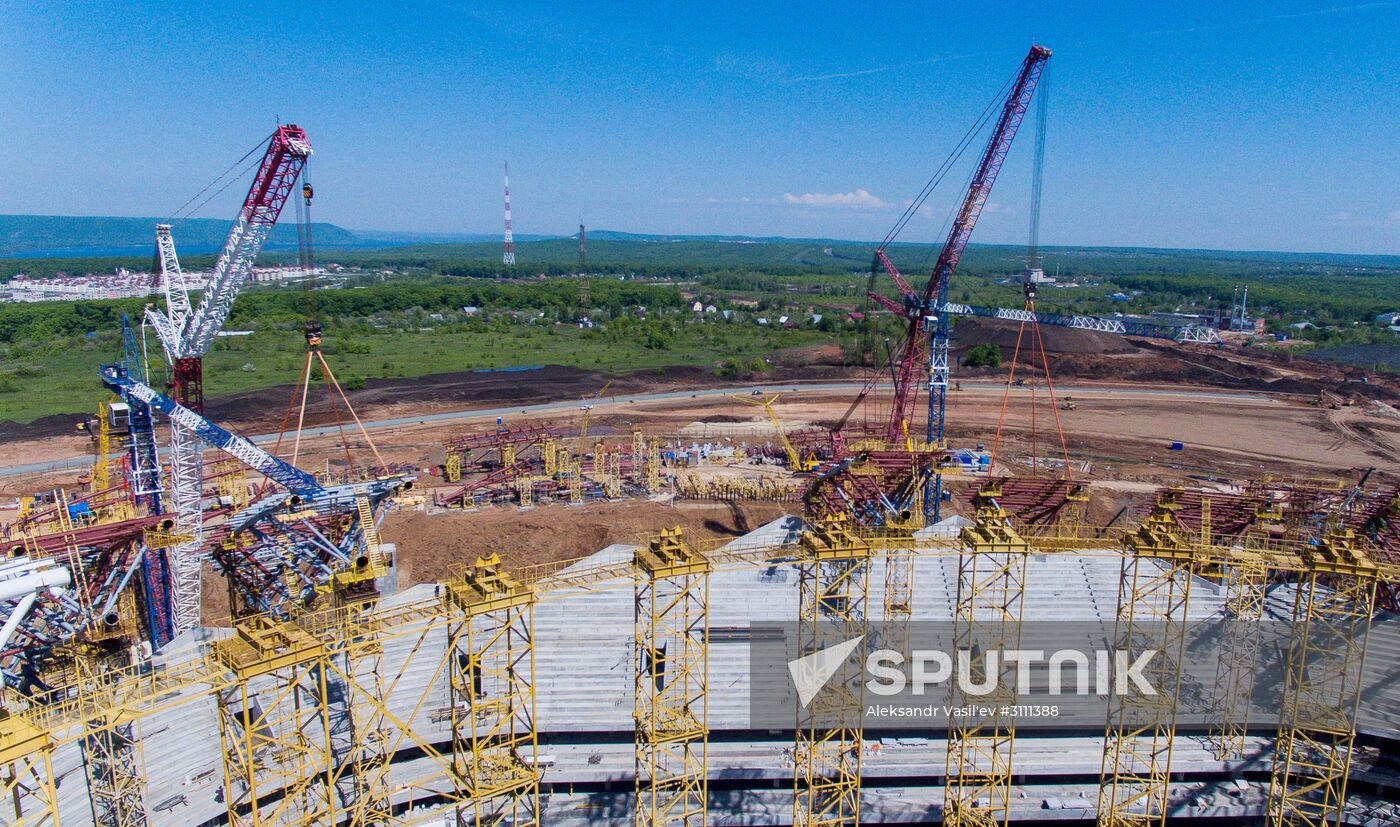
(1002, 333)
(428, 544)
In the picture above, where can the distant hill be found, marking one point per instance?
(68, 236)
(398, 237)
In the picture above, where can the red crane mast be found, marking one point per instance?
(921, 309)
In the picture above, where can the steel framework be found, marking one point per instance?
(274, 725)
(491, 644)
(986, 619)
(1154, 588)
(1331, 620)
(186, 334)
(1246, 580)
(670, 701)
(1124, 326)
(28, 793)
(833, 583)
(112, 759)
(379, 715)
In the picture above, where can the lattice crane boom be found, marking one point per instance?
(289, 476)
(194, 328)
(921, 309)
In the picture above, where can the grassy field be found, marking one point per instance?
(400, 312)
(61, 378)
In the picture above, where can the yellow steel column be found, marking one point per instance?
(388, 707)
(492, 679)
(1153, 591)
(671, 668)
(1327, 653)
(986, 619)
(834, 565)
(274, 726)
(112, 760)
(28, 795)
(898, 542)
(1246, 577)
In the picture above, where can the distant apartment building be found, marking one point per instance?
(123, 284)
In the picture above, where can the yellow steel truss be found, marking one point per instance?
(671, 634)
(1245, 582)
(111, 748)
(116, 780)
(28, 794)
(549, 452)
(899, 584)
(380, 713)
(1331, 621)
(102, 464)
(491, 647)
(274, 726)
(986, 619)
(833, 582)
(1153, 589)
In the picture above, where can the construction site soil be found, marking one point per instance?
(432, 545)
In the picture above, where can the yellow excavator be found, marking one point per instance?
(796, 461)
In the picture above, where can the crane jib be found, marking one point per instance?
(935, 292)
(285, 474)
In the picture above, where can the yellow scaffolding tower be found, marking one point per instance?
(653, 480)
(670, 702)
(111, 748)
(274, 726)
(898, 543)
(1246, 579)
(613, 478)
(1154, 587)
(986, 619)
(367, 732)
(491, 646)
(28, 795)
(1331, 621)
(833, 582)
(102, 465)
(549, 452)
(576, 484)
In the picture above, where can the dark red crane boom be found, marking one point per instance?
(921, 309)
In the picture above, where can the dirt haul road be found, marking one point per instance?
(1240, 430)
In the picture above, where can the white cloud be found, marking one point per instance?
(858, 200)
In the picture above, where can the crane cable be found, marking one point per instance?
(1038, 342)
(958, 151)
(181, 213)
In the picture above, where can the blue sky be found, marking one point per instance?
(1236, 125)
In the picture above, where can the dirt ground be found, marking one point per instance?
(1133, 400)
(429, 544)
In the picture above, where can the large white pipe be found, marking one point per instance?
(16, 617)
(56, 577)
